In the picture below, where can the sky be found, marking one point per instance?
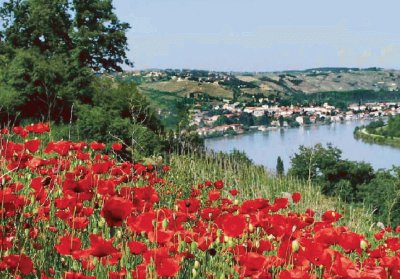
(262, 35)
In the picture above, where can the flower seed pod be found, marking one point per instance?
(295, 246)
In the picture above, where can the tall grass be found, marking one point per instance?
(254, 181)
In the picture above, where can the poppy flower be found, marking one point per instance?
(32, 145)
(68, 245)
(116, 146)
(100, 247)
(214, 195)
(331, 216)
(142, 223)
(76, 275)
(97, 146)
(233, 192)
(167, 267)
(116, 210)
(137, 247)
(296, 197)
(189, 206)
(219, 184)
(233, 225)
(252, 264)
(251, 206)
(21, 263)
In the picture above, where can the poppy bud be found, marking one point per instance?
(194, 272)
(363, 245)
(236, 202)
(118, 234)
(251, 228)
(165, 224)
(196, 264)
(295, 246)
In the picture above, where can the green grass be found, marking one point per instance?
(375, 138)
(183, 88)
(255, 181)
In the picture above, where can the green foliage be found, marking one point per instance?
(382, 194)
(263, 120)
(353, 182)
(222, 120)
(341, 99)
(311, 162)
(345, 178)
(393, 127)
(50, 51)
(371, 127)
(247, 119)
(280, 169)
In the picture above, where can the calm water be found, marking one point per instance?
(264, 147)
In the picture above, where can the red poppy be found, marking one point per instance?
(189, 206)
(21, 263)
(100, 247)
(116, 146)
(219, 184)
(296, 197)
(97, 146)
(68, 245)
(32, 145)
(233, 192)
(331, 216)
(137, 247)
(167, 267)
(214, 195)
(233, 225)
(76, 275)
(116, 210)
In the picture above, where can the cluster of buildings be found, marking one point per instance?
(279, 115)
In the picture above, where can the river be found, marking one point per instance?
(265, 147)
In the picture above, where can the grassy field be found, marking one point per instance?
(255, 181)
(185, 87)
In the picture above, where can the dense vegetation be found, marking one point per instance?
(381, 132)
(342, 99)
(57, 60)
(352, 182)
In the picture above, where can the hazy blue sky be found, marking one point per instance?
(262, 35)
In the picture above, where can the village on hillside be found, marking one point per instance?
(236, 118)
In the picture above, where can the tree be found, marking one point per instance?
(280, 169)
(311, 162)
(263, 120)
(50, 51)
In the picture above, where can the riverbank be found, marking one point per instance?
(364, 135)
(257, 129)
(264, 147)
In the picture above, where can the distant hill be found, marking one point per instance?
(226, 84)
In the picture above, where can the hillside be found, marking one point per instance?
(171, 92)
(221, 84)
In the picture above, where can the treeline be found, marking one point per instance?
(342, 99)
(351, 181)
(57, 60)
